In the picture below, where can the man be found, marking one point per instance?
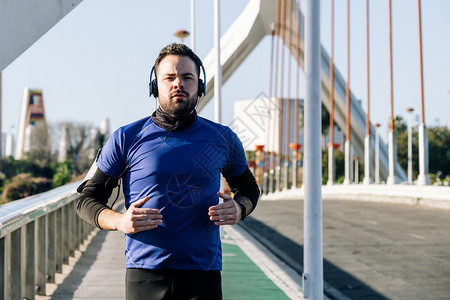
(170, 164)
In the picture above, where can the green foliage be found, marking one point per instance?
(63, 174)
(12, 167)
(250, 154)
(340, 180)
(339, 159)
(23, 185)
(439, 149)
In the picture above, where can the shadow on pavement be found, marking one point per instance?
(292, 254)
(71, 283)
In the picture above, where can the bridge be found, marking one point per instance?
(47, 251)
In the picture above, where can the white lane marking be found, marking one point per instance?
(372, 222)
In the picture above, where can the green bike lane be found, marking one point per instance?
(251, 272)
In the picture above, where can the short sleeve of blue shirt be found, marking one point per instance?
(237, 162)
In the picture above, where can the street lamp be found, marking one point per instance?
(181, 34)
(423, 178)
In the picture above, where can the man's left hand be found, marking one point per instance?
(226, 213)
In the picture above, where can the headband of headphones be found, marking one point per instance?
(153, 85)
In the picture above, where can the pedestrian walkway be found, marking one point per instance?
(97, 271)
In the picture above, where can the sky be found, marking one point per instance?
(95, 63)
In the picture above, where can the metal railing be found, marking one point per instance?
(38, 234)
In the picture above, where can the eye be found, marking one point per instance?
(169, 77)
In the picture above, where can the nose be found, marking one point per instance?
(178, 83)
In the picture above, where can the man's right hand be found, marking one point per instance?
(134, 220)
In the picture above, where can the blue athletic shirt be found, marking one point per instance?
(180, 173)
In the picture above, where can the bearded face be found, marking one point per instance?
(177, 85)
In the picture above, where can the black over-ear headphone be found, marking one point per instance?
(153, 85)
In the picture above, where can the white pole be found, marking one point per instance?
(424, 178)
(356, 175)
(218, 75)
(348, 162)
(377, 154)
(313, 253)
(391, 151)
(193, 25)
(410, 110)
(367, 163)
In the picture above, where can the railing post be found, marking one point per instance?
(41, 254)
(71, 231)
(58, 240)
(14, 268)
(51, 261)
(65, 235)
(77, 227)
(28, 265)
(2, 268)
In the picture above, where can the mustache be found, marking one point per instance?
(179, 92)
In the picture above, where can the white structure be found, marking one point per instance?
(93, 143)
(105, 128)
(64, 143)
(23, 22)
(32, 111)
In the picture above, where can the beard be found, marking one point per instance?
(178, 107)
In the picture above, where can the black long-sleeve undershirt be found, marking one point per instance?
(95, 192)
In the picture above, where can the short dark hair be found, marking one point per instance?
(181, 50)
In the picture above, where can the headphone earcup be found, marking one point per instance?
(201, 88)
(154, 88)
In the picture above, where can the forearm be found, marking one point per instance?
(108, 219)
(246, 191)
(94, 195)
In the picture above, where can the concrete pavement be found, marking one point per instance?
(98, 270)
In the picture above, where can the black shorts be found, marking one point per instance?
(173, 284)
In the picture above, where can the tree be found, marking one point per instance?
(79, 145)
(438, 148)
(325, 125)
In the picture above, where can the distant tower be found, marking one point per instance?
(94, 143)
(9, 145)
(31, 113)
(105, 129)
(64, 143)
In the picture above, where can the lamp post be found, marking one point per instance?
(218, 75)
(391, 135)
(367, 160)
(193, 25)
(348, 162)
(410, 110)
(424, 178)
(331, 158)
(312, 212)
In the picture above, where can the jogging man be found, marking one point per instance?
(170, 164)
